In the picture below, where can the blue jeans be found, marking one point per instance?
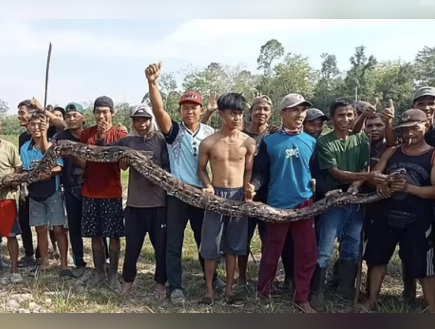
(344, 223)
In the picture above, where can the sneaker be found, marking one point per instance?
(16, 278)
(177, 297)
(26, 261)
(78, 272)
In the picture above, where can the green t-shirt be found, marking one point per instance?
(351, 154)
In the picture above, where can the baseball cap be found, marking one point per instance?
(262, 98)
(191, 96)
(74, 107)
(314, 114)
(104, 101)
(292, 100)
(411, 118)
(141, 111)
(424, 91)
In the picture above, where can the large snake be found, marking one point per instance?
(143, 163)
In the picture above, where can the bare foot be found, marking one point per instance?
(126, 288)
(369, 305)
(306, 308)
(160, 292)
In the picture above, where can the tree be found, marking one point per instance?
(356, 79)
(269, 52)
(425, 67)
(4, 108)
(329, 85)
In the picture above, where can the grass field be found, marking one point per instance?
(48, 293)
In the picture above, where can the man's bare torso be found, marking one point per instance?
(227, 157)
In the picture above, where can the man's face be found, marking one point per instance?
(343, 118)
(376, 128)
(103, 114)
(426, 104)
(261, 113)
(74, 120)
(23, 115)
(190, 112)
(34, 128)
(231, 119)
(293, 118)
(415, 134)
(314, 127)
(141, 125)
(58, 114)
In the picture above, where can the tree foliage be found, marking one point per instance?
(282, 73)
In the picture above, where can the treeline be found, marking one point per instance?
(282, 73)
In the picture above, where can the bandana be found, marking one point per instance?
(290, 132)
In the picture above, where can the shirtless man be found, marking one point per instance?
(230, 153)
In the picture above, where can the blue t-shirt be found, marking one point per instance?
(183, 147)
(286, 158)
(31, 156)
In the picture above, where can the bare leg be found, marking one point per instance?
(62, 242)
(428, 285)
(243, 267)
(99, 262)
(114, 253)
(53, 239)
(377, 275)
(42, 234)
(231, 268)
(13, 254)
(210, 267)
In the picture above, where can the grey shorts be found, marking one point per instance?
(228, 235)
(48, 212)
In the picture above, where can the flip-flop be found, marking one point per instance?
(37, 270)
(205, 302)
(66, 274)
(235, 301)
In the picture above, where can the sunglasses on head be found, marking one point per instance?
(195, 148)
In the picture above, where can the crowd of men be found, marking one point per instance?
(286, 167)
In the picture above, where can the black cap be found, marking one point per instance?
(104, 101)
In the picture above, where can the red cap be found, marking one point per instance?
(191, 96)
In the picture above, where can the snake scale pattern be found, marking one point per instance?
(144, 164)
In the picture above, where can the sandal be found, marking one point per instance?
(66, 274)
(235, 301)
(205, 302)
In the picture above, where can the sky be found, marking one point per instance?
(91, 58)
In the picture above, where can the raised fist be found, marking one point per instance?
(152, 72)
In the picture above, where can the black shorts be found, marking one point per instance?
(102, 218)
(415, 243)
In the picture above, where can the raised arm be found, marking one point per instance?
(211, 108)
(204, 156)
(57, 122)
(163, 119)
(387, 117)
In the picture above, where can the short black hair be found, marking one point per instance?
(27, 103)
(340, 102)
(232, 101)
(37, 115)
